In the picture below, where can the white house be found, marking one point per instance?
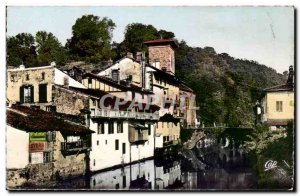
(17, 153)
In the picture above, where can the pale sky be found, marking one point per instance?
(263, 34)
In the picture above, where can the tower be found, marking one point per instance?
(162, 54)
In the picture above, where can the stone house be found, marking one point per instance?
(48, 147)
(157, 77)
(35, 86)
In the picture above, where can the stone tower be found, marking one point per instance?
(162, 55)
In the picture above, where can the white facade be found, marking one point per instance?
(112, 149)
(60, 78)
(17, 145)
(122, 178)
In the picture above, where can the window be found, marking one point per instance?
(115, 74)
(90, 83)
(124, 181)
(110, 127)
(97, 142)
(47, 157)
(117, 145)
(105, 142)
(164, 138)
(94, 162)
(117, 186)
(13, 77)
(149, 129)
(100, 128)
(120, 127)
(43, 76)
(27, 77)
(26, 94)
(278, 106)
(124, 148)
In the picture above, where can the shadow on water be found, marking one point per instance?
(215, 163)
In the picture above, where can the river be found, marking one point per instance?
(214, 164)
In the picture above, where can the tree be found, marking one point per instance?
(21, 50)
(91, 38)
(136, 34)
(49, 49)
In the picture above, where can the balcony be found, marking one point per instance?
(101, 113)
(74, 146)
(138, 135)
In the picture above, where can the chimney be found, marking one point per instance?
(53, 64)
(129, 55)
(140, 56)
(66, 82)
(22, 67)
(290, 80)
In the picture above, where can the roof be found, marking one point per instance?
(36, 120)
(185, 88)
(278, 122)
(159, 42)
(284, 87)
(122, 85)
(110, 101)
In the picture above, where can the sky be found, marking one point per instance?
(263, 34)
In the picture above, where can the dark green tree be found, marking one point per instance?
(91, 39)
(136, 34)
(21, 50)
(49, 49)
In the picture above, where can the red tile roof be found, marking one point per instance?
(161, 42)
(36, 120)
(185, 88)
(285, 87)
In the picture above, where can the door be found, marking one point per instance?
(43, 93)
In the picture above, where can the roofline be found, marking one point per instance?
(161, 41)
(108, 80)
(30, 68)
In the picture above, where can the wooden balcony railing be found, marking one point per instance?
(124, 114)
(73, 146)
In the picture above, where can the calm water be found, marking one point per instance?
(211, 165)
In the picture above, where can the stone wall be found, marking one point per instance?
(163, 54)
(15, 178)
(67, 165)
(69, 102)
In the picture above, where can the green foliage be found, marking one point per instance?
(136, 34)
(91, 39)
(49, 49)
(21, 50)
(226, 88)
(265, 145)
(185, 135)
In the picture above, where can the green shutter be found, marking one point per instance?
(32, 94)
(22, 94)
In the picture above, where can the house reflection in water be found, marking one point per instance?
(143, 175)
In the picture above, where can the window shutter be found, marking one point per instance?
(22, 94)
(32, 94)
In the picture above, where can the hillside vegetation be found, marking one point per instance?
(227, 88)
